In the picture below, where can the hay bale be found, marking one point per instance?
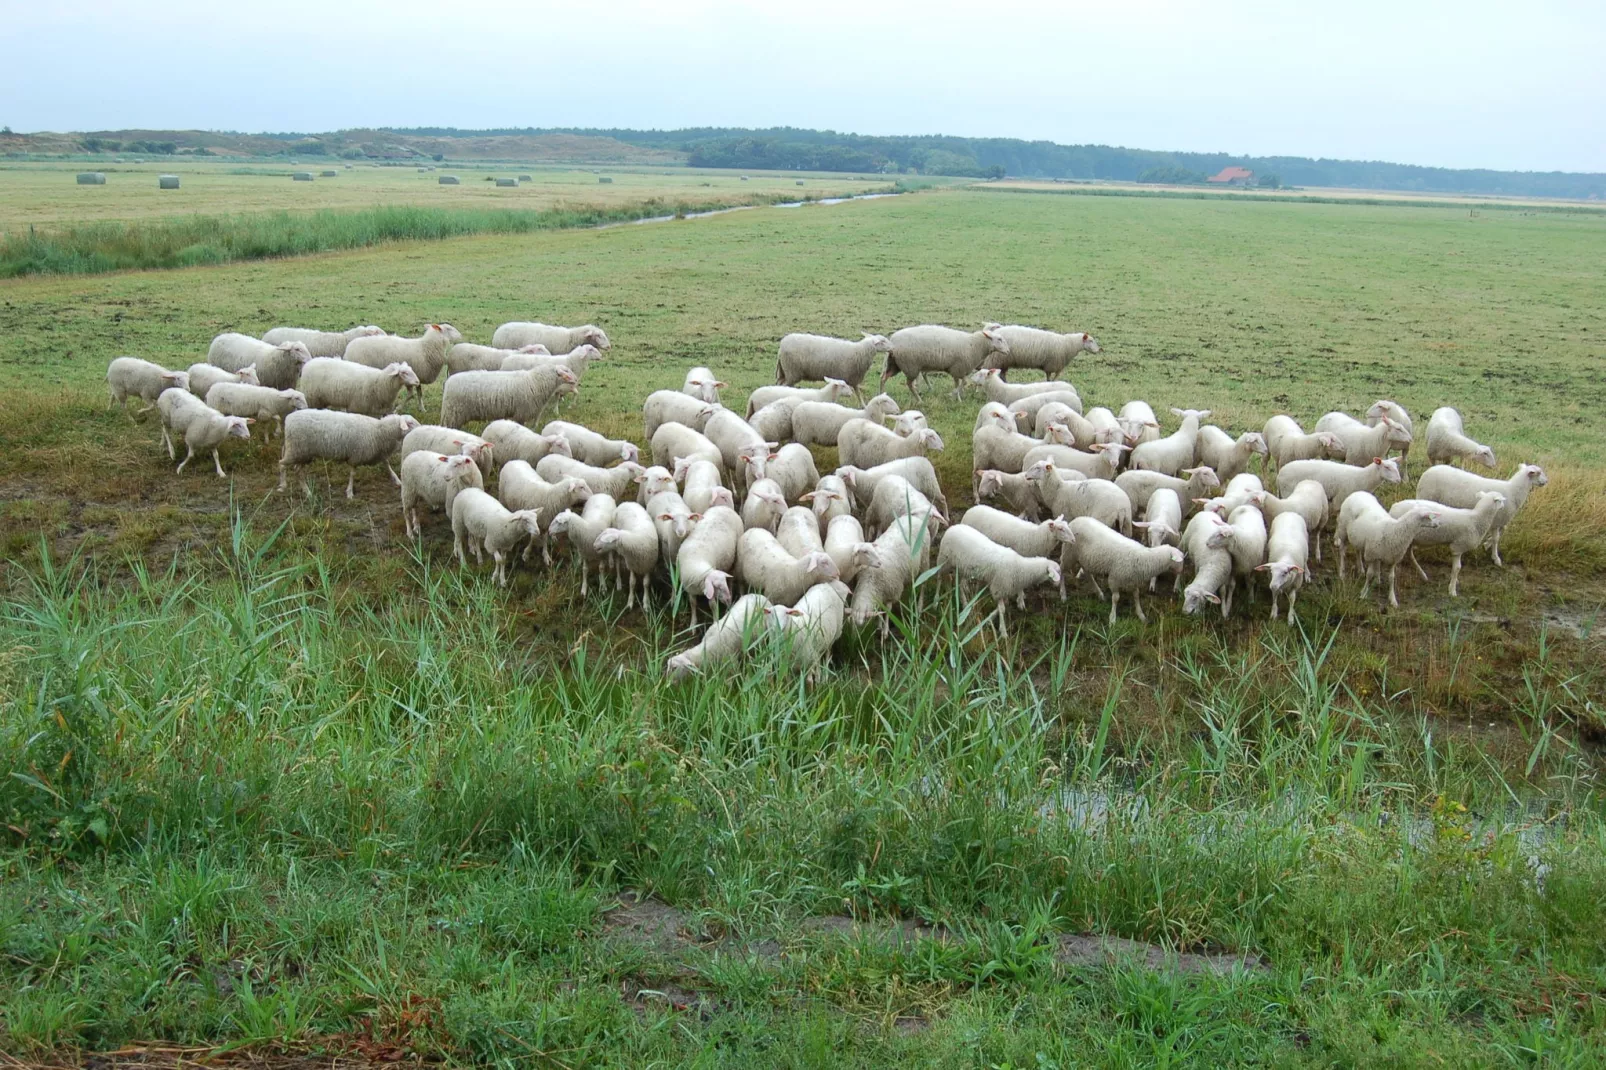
(525, 178)
(448, 180)
(507, 182)
(604, 180)
(421, 170)
(167, 182)
(91, 178)
(744, 178)
(301, 176)
(328, 174)
(800, 181)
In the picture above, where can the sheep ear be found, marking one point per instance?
(718, 385)
(1258, 568)
(1176, 411)
(809, 497)
(1214, 598)
(1204, 414)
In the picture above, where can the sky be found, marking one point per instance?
(1471, 83)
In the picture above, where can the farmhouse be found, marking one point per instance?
(1233, 176)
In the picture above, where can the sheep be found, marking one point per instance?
(582, 529)
(1378, 538)
(434, 438)
(774, 421)
(256, 402)
(1396, 412)
(1011, 490)
(742, 450)
(820, 422)
(1024, 537)
(977, 561)
(557, 339)
(1107, 426)
(425, 355)
(671, 519)
(470, 357)
(1459, 529)
(918, 351)
(994, 447)
(1286, 548)
(1138, 423)
(1447, 440)
(995, 388)
(842, 540)
(908, 422)
(726, 640)
(656, 479)
(994, 414)
(201, 426)
(1162, 525)
(621, 482)
(767, 395)
(1452, 486)
(1124, 565)
(321, 343)
(1247, 547)
(349, 437)
(829, 499)
(278, 366)
(589, 446)
(520, 487)
(896, 497)
(1100, 461)
(1139, 485)
(699, 478)
(1033, 415)
(337, 383)
(707, 556)
(434, 479)
(703, 385)
(764, 505)
(814, 356)
(632, 539)
(1286, 441)
(1339, 479)
(1241, 489)
(1031, 347)
(1309, 500)
(674, 442)
(1204, 541)
(486, 526)
(664, 406)
(1361, 441)
(511, 440)
(862, 482)
(515, 395)
(863, 444)
(792, 466)
(576, 360)
(203, 376)
(127, 376)
(1228, 456)
(811, 627)
(764, 565)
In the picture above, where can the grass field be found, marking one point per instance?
(282, 780)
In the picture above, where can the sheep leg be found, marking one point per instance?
(168, 442)
(1137, 603)
(189, 451)
(1020, 601)
(1274, 605)
(1367, 586)
(1003, 623)
(1420, 570)
(394, 478)
(281, 476)
(631, 600)
(1393, 599)
(496, 573)
(1289, 616)
(584, 575)
(1455, 576)
(1318, 547)
(1339, 548)
(1115, 601)
(959, 387)
(218, 465)
(1494, 549)
(351, 480)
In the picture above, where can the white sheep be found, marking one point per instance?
(582, 529)
(665, 406)
(1309, 500)
(806, 357)
(1462, 530)
(764, 506)
(1123, 564)
(743, 451)
(511, 440)
(1452, 486)
(820, 422)
(256, 403)
(699, 478)
(484, 525)
(1033, 415)
(842, 540)
(774, 421)
(1106, 426)
(674, 442)
(862, 482)
(557, 339)
(1287, 441)
(1338, 479)
(829, 499)
(434, 479)
(863, 444)
(520, 487)
(131, 376)
(202, 427)
(1099, 461)
(1247, 547)
(726, 640)
(792, 466)
(811, 627)
(994, 414)
(1448, 441)
(1227, 455)
(321, 343)
(703, 385)
(434, 438)
(1244, 488)
(633, 540)
(995, 388)
(707, 556)
(1362, 442)
(576, 360)
(763, 564)
(656, 479)
(977, 561)
(908, 422)
(515, 395)
(1378, 538)
(337, 383)
(1031, 347)
(1138, 423)
(425, 355)
(1204, 541)
(1394, 411)
(471, 357)
(994, 447)
(1139, 485)
(278, 366)
(885, 569)
(1011, 490)
(896, 498)
(1046, 539)
(203, 376)
(589, 446)
(918, 351)
(671, 519)
(622, 482)
(833, 389)
(348, 437)
(1286, 548)
(1162, 525)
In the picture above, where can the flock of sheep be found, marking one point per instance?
(734, 499)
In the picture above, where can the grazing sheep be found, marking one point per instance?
(1031, 347)
(707, 557)
(793, 468)
(863, 444)
(1286, 548)
(1107, 427)
(774, 421)
(1228, 456)
(977, 561)
(1242, 489)
(470, 357)
(201, 426)
(621, 482)
(632, 539)
(994, 447)
(699, 478)
(703, 385)
(278, 366)
(918, 351)
(521, 487)
(1100, 461)
(885, 569)
(1204, 541)
(337, 383)
(742, 450)
(1034, 414)
(768, 395)
(127, 376)
(1339, 479)
(433, 438)
(348, 437)
(842, 540)
(1447, 440)
(1309, 500)
(805, 357)
(764, 565)
(764, 506)
(516, 395)
(1459, 529)
(1378, 538)
(896, 498)
(1123, 564)
(1010, 490)
(1362, 442)
(576, 360)
(486, 526)
(862, 482)
(1452, 486)
(666, 406)
(1396, 412)
(511, 440)
(425, 355)
(1046, 539)
(203, 377)
(995, 388)
(582, 529)
(829, 499)
(1140, 485)
(820, 423)
(557, 339)
(256, 403)
(671, 519)
(1247, 547)
(1163, 523)
(811, 627)
(726, 640)
(1139, 424)
(1286, 441)
(591, 447)
(321, 343)
(675, 442)
(434, 479)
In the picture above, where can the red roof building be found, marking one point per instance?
(1233, 176)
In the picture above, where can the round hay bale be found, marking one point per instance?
(800, 181)
(604, 180)
(448, 180)
(301, 176)
(167, 182)
(507, 182)
(525, 178)
(744, 178)
(91, 178)
(328, 174)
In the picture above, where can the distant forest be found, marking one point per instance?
(792, 149)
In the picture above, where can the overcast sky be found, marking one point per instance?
(1469, 83)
